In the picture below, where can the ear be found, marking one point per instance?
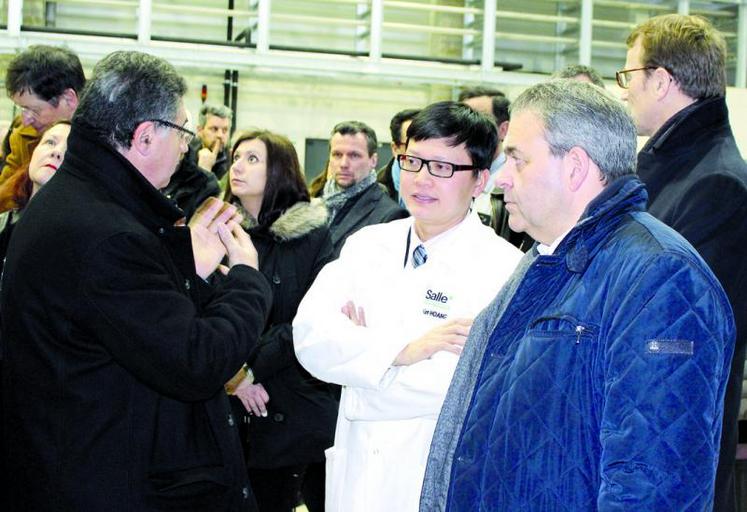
(143, 138)
(482, 180)
(576, 163)
(393, 145)
(502, 130)
(663, 82)
(374, 160)
(70, 98)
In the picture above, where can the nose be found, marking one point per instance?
(503, 176)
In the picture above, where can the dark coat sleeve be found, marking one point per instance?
(275, 351)
(151, 326)
(664, 370)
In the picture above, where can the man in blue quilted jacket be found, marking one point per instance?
(595, 379)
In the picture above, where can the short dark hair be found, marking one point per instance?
(500, 103)
(126, 89)
(46, 71)
(574, 70)
(460, 124)
(395, 126)
(354, 127)
(285, 185)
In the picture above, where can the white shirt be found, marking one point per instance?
(388, 413)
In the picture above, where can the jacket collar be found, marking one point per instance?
(703, 116)
(95, 160)
(624, 195)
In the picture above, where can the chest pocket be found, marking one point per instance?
(560, 345)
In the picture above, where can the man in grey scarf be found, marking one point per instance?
(352, 195)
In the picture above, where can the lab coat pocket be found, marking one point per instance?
(335, 481)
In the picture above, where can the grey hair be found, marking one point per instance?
(207, 109)
(579, 114)
(126, 89)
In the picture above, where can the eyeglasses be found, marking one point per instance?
(435, 168)
(623, 80)
(185, 134)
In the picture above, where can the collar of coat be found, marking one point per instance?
(295, 222)
(695, 120)
(605, 212)
(96, 161)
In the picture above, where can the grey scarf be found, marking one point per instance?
(335, 197)
(454, 411)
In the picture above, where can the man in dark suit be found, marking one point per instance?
(352, 195)
(116, 348)
(674, 82)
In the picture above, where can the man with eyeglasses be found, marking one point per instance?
(594, 380)
(191, 184)
(674, 82)
(44, 82)
(388, 319)
(117, 348)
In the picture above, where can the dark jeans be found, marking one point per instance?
(282, 489)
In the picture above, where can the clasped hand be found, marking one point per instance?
(216, 232)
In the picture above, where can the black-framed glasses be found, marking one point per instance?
(185, 134)
(435, 168)
(623, 80)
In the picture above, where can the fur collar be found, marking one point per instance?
(300, 219)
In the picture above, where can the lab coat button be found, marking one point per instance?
(245, 492)
(276, 279)
(230, 420)
(278, 417)
(161, 231)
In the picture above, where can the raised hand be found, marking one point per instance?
(207, 247)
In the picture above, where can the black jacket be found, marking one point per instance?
(697, 184)
(302, 410)
(371, 206)
(116, 352)
(384, 176)
(191, 185)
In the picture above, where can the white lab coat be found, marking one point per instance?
(388, 414)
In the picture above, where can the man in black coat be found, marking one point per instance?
(675, 83)
(352, 195)
(117, 351)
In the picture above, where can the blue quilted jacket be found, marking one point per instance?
(595, 379)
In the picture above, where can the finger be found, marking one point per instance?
(223, 269)
(346, 309)
(227, 239)
(241, 236)
(361, 317)
(207, 211)
(216, 147)
(245, 403)
(227, 211)
(253, 406)
(263, 394)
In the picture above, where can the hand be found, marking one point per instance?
(356, 315)
(254, 397)
(207, 247)
(206, 157)
(449, 337)
(238, 245)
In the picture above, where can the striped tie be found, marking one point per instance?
(419, 256)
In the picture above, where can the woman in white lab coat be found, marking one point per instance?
(388, 319)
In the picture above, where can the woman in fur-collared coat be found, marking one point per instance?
(290, 415)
